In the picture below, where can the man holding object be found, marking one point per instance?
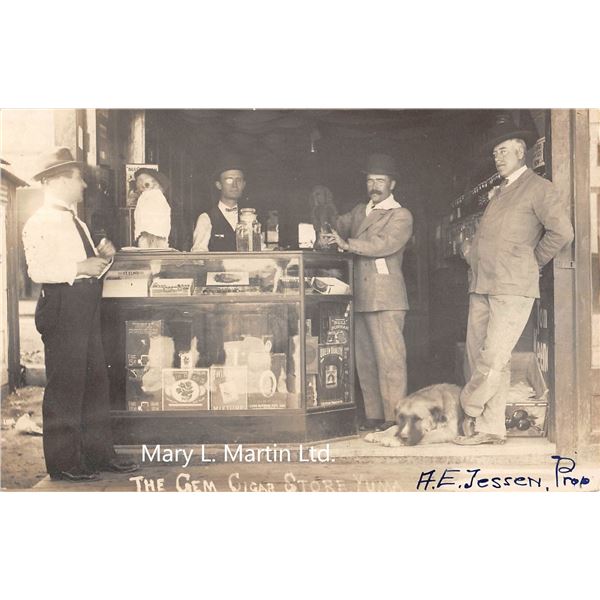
(61, 256)
(377, 232)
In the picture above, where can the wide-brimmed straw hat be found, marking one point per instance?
(55, 161)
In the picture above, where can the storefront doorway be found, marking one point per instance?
(442, 176)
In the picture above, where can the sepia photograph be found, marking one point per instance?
(306, 300)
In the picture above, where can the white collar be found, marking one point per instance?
(51, 200)
(386, 204)
(224, 208)
(515, 175)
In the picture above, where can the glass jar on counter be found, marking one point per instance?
(247, 232)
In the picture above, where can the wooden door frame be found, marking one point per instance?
(572, 281)
(589, 439)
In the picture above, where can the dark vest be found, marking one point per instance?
(222, 236)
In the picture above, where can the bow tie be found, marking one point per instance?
(231, 209)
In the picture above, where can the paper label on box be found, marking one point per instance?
(137, 340)
(185, 389)
(229, 388)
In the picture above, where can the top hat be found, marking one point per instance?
(228, 162)
(505, 129)
(162, 179)
(381, 164)
(55, 161)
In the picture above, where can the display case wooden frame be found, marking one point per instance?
(306, 423)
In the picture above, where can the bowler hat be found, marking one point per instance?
(160, 177)
(506, 129)
(381, 164)
(55, 161)
(227, 161)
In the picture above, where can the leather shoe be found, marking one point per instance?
(121, 466)
(369, 425)
(479, 438)
(74, 476)
(385, 425)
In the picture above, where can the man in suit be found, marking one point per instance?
(215, 229)
(377, 233)
(524, 226)
(61, 256)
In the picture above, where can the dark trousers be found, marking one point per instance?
(77, 434)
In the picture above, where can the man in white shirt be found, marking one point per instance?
(61, 256)
(377, 233)
(215, 229)
(524, 226)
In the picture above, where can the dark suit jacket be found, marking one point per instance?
(523, 227)
(382, 235)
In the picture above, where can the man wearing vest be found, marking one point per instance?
(61, 256)
(215, 229)
(524, 226)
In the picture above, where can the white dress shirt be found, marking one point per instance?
(203, 229)
(386, 204)
(52, 243)
(152, 214)
(515, 175)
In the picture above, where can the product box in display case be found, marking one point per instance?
(141, 396)
(126, 283)
(185, 389)
(165, 288)
(311, 357)
(338, 331)
(268, 388)
(329, 285)
(228, 388)
(137, 341)
(334, 372)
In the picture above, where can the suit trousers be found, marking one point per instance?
(494, 327)
(381, 361)
(76, 411)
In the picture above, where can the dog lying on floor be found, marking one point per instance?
(431, 415)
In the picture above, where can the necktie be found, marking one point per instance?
(231, 209)
(89, 250)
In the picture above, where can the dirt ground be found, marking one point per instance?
(21, 455)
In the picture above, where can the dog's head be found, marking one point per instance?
(415, 419)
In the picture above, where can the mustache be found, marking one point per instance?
(375, 192)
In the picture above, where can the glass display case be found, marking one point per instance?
(229, 347)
